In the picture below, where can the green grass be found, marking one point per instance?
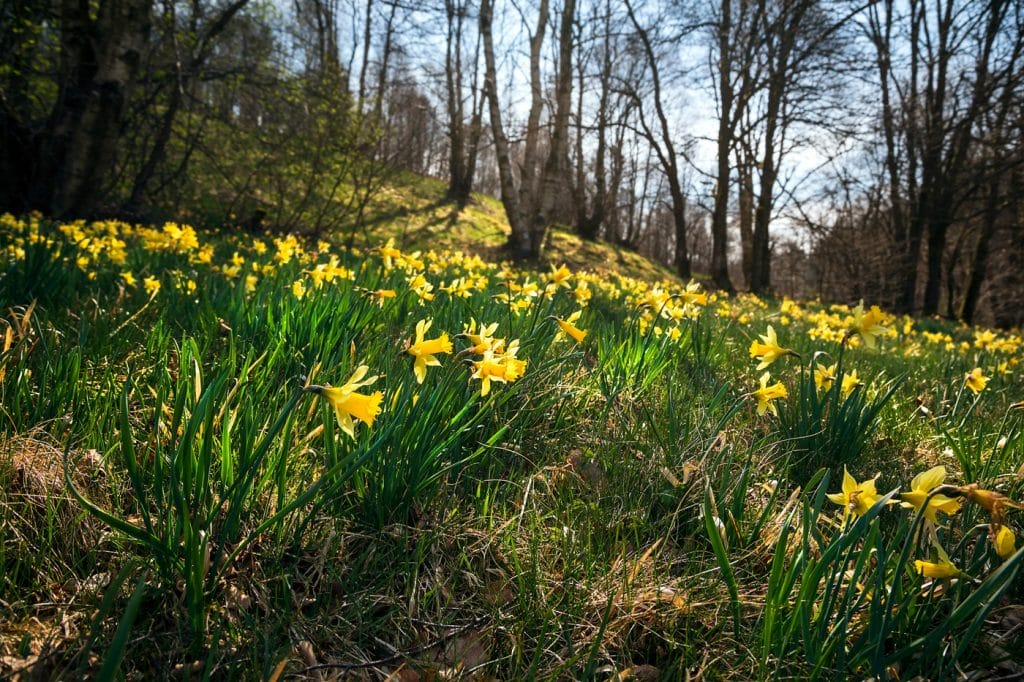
(412, 211)
(616, 507)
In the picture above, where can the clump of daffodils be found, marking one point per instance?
(497, 359)
(930, 496)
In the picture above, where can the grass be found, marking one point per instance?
(611, 508)
(412, 211)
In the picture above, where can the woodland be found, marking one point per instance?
(837, 149)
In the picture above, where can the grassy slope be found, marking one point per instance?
(580, 544)
(412, 210)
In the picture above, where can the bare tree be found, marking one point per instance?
(509, 197)
(663, 144)
(464, 140)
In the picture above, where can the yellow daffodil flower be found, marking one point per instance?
(824, 376)
(560, 276)
(348, 404)
(422, 288)
(499, 365)
(388, 253)
(850, 382)
(1003, 541)
(976, 380)
(425, 350)
(481, 340)
(868, 324)
(994, 503)
(692, 295)
(569, 327)
(768, 349)
(921, 486)
(767, 394)
(855, 497)
(381, 295)
(943, 568)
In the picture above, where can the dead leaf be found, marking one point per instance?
(466, 652)
(403, 674)
(305, 651)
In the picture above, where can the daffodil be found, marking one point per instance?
(568, 326)
(943, 568)
(421, 287)
(976, 380)
(850, 382)
(768, 349)
(381, 295)
(921, 486)
(856, 498)
(389, 253)
(868, 324)
(991, 501)
(560, 276)
(425, 350)
(824, 376)
(766, 395)
(1003, 541)
(347, 403)
(498, 364)
(481, 337)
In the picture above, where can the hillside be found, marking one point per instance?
(412, 210)
(284, 459)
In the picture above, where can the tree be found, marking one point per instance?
(528, 207)
(663, 145)
(464, 140)
(58, 165)
(958, 55)
(203, 33)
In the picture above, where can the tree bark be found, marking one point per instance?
(100, 62)
(555, 174)
(726, 128)
(519, 237)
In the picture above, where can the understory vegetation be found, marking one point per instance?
(282, 458)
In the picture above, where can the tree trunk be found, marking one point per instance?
(719, 216)
(556, 167)
(589, 220)
(458, 187)
(100, 61)
(522, 245)
(664, 147)
(745, 171)
(520, 234)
